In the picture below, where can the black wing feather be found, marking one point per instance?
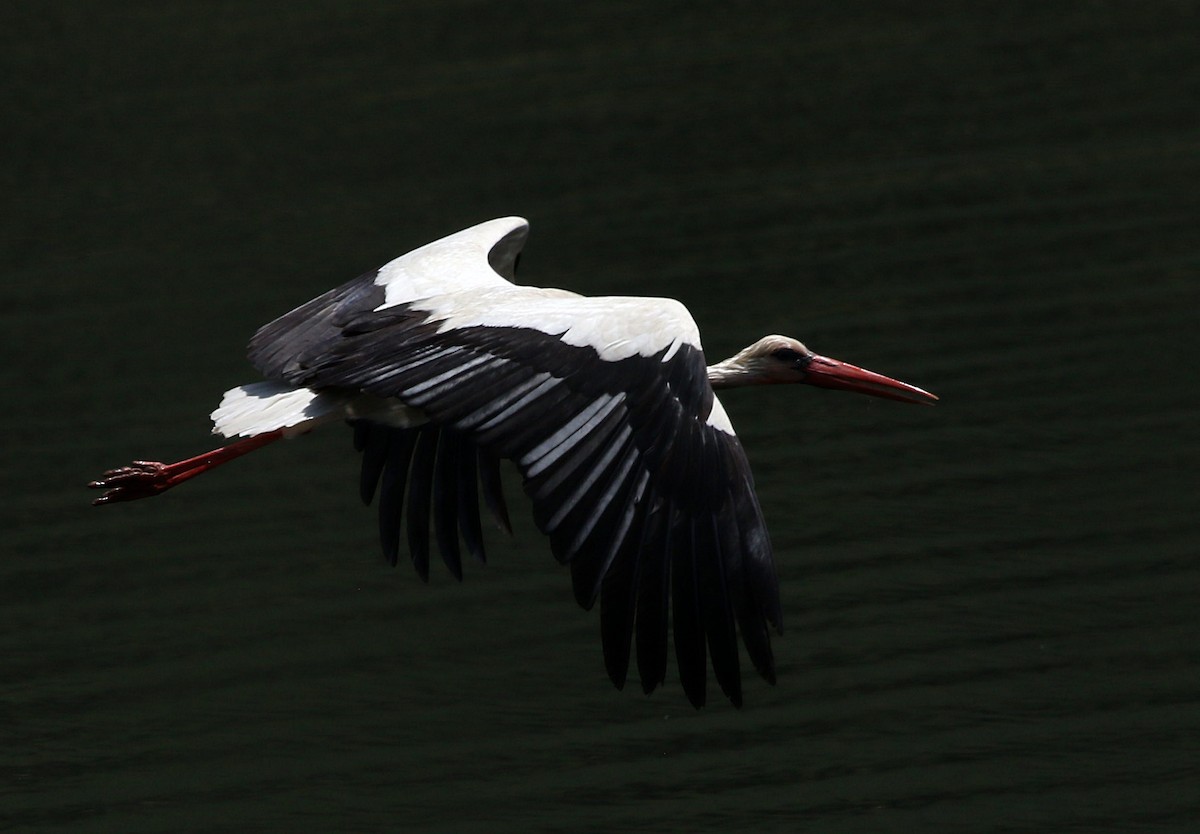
(653, 595)
(397, 448)
(445, 503)
(466, 480)
(637, 492)
(716, 603)
(687, 622)
(373, 441)
(618, 594)
(278, 348)
(420, 500)
(492, 487)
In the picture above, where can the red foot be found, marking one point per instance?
(144, 478)
(141, 479)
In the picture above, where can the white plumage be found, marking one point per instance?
(260, 407)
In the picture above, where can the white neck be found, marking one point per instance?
(732, 373)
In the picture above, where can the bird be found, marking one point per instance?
(444, 367)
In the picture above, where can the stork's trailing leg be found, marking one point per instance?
(144, 478)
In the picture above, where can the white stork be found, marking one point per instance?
(444, 366)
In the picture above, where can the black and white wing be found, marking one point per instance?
(604, 405)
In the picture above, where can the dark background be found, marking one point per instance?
(991, 604)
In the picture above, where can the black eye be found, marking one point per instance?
(786, 354)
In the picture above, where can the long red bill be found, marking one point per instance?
(832, 373)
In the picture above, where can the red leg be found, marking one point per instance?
(144, 478)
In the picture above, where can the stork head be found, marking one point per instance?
(779, 360)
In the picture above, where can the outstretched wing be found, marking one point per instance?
(479, 257)
(633, 468)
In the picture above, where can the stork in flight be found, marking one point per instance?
(443, 366)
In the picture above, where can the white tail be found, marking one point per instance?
(266, 406)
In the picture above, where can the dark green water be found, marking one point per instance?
(991, 605)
